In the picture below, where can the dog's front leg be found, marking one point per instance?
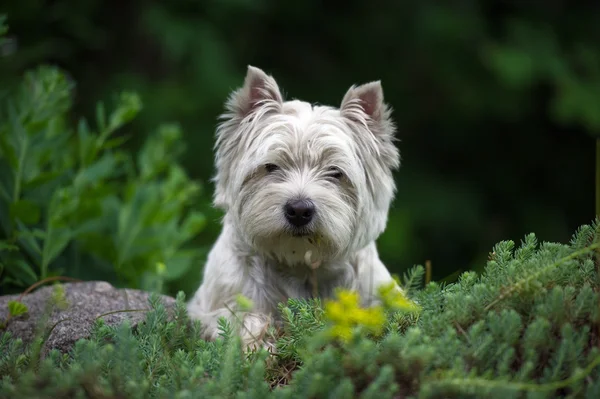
(372, 274)
(225, 278)
(251, 326)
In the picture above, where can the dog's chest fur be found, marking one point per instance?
(298, 281)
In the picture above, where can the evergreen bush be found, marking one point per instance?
(527, 327)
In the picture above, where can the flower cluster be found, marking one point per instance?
(393, 298)
(346, 314)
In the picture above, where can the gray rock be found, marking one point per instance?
(85, 302)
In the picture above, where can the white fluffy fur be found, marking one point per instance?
(259, 254)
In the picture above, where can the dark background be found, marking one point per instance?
(496, 101)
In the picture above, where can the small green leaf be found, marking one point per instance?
(42, 179)
(129, 106)
(96, 172)
(116, 142)
(26, 211)
(244, 303)
(16, 308)
(59, 297)
(6, 246)
(29, 234)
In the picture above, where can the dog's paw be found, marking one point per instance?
(254, 332)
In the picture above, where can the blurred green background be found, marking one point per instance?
(496, 102)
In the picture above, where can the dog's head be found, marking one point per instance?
(294, 177)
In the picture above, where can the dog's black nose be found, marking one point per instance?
(299, 212)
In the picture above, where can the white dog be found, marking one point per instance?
(306, 190)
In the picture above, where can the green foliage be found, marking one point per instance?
(74, 201)
(531, 54)
(16, 308)
(527, 327)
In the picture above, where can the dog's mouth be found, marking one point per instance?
(311, 237)
(301, 232)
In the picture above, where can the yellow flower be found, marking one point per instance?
(372, 318)
(392, 297)
(345, 314)
(342, 332)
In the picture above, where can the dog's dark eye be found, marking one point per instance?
(335, 173)
(271, 167)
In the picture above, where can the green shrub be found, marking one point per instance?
(74, 202)
(526, 328)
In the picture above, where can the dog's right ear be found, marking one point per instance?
(259, 95)
(259, 90)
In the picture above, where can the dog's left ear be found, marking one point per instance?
(368, 98)
(364, 105)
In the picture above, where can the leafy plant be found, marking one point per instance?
(73, 201)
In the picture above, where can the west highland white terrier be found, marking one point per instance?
(306, 191)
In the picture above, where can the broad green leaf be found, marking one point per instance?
(16, 308)
(179, 264)
(21, 270)
(151, 282)
(193, 224)
(26, 211)
(56, 241)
